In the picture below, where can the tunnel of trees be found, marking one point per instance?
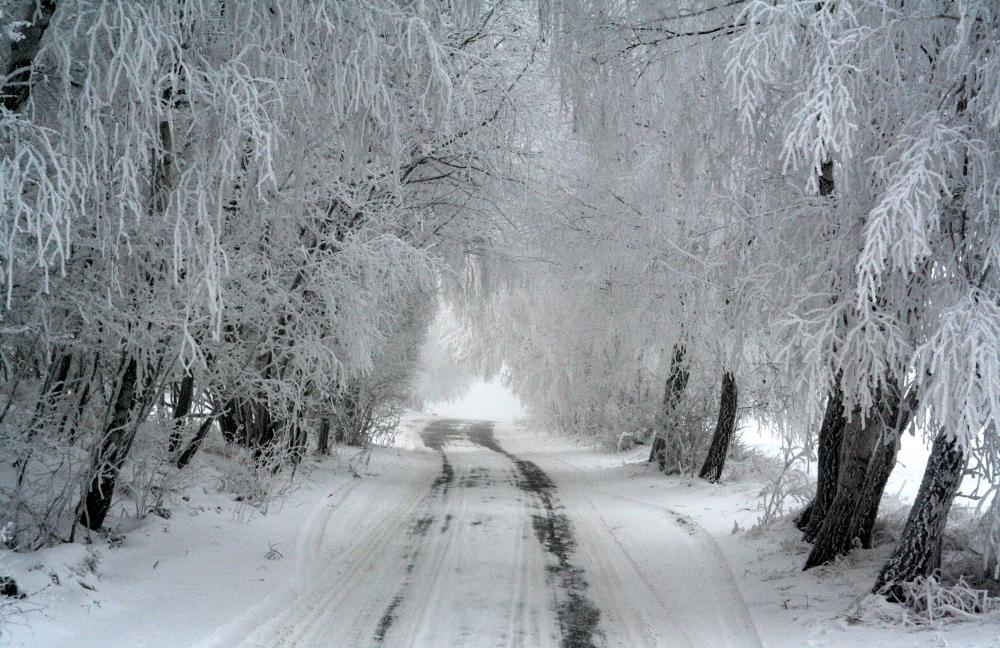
(243, 217)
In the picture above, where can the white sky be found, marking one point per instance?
(484, 400)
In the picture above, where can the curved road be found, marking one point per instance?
(478, 546)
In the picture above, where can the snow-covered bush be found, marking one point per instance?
(787, 486)
(926, 601)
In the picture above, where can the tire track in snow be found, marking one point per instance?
(632, 608)
(478, 549)
(340, 594)
(249, 623)
(484, 517)
(703, 546)
(578, 617)
(439, 488)
(694, 550)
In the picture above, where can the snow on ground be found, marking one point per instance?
(634, 505)
(170, 581)
(464, 534)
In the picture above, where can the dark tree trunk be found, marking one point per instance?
(835, 537)
(672, 393)
(919, 550)
(55, 381)
(62, 373)
(82, 385)
(229, 422)
(262, 432)
(114, 447)
(182, 406)
(348, 425)
(22, 55)
(340, 431)
(298, 439)
(657, 450)
(831, 433)
(715, 461)
(826, 183)
(323, 441)
(881, 467)
(195, 443)
(879, 471)
(249, 423)
(76, 414)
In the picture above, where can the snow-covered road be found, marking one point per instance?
(488, 540)
(464, 533)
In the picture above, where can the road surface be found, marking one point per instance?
(476, 545)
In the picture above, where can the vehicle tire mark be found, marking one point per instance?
(577, 616)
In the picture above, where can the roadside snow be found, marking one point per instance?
(824, 607)
(170, 581)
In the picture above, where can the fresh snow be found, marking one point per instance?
(437, 546)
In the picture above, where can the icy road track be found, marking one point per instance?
(476, 544)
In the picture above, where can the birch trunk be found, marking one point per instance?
(672, 393)
(919, 550)
(715, 461)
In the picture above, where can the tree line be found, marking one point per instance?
(780, 211)
(244, 215)
(233, 216)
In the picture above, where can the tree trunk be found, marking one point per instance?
(831, 431)
(831, 434)
(82, 385)
(672, 393)
(262, 432)
(229, 422)
(22, 55)
(298, 439)
(715, 461)
(348, 430)
(826, 183)
(861, 435)
(879, 471)
(919, 550)
(195, 443)
(182, 406)
(323, 442)
(863, 521)
(248, 423)
(833, 538)
(62, 373)
(55, 381)
(114, 447)
(657, 450)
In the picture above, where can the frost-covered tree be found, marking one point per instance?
(801, 196)
(656, 219)
(253, 201)
(897, 103)
(628, 285)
